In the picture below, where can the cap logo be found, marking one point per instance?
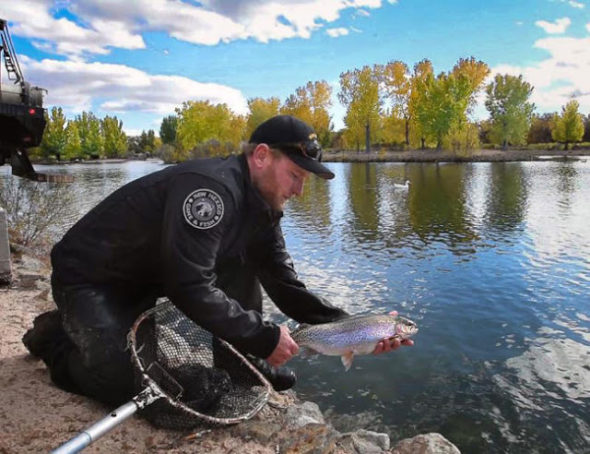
(203, 209)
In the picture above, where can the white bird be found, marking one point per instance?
(404, 186)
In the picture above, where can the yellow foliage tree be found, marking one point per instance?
(310, 104)
(397, 83)
(261, 110)
(201, 121)
(359, 93)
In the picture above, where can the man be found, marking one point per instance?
(204, 233)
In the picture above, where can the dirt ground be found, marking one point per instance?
(37, 417)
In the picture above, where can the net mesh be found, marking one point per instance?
(202, 379)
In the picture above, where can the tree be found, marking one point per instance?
(260, 111)
(115, 139)
(310, 103)
(540, 131)
(422, 70)
(54, 137)
(475, 72)
(91, 140)
(398, 87)
(359, 93)
(510, 111)
(201, 121)
(569, 127)
(443, 106)
(73, 148)
(168, 129)
(147, 141)
(586, 137)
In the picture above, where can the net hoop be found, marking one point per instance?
(184, 410)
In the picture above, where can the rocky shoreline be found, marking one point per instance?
(38, 417)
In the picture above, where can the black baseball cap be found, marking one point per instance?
(296, 139)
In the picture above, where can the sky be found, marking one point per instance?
(140, 59)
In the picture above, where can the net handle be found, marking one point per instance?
(109, 422)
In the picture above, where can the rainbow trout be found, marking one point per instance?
(355, 335)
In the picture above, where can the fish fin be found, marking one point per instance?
(347, 360)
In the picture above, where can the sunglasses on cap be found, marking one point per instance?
(310, 149)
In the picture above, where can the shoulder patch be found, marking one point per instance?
(203, 209)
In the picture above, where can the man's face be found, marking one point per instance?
(280, 179)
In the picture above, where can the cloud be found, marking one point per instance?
(64, 36)
(557, 27)
(588, 26)
(113, 88)
(110, 23)
(560, 77)
(335, 32)
(576, 4)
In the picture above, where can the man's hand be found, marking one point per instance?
(391, 343)
(285, 349)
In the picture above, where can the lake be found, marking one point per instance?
(491, 260)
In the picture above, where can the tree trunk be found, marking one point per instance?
(367, 137)
(423, 141)
(505, 145)
(566, 145)
(407, 132)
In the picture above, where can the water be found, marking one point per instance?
(492, 260)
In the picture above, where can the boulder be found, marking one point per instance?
(431, 443)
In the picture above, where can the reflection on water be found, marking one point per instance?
(493, 263)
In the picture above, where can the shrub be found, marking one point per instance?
(33, 208)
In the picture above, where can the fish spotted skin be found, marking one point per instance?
(355, 335)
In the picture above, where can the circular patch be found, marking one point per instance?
(203, 208)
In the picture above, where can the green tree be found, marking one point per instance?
(147, 141)
(443, 106)
(359, 93)
(168, 129)
(91, 140)
(73, 148)
(260, 111)
(510, 112)
(115, 139)
(569, 126)
(422, 70)
(54, 137)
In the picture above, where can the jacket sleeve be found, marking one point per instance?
(189, 250)
(279, 279)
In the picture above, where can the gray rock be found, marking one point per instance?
(364, 442)
(304, 414)
(432, 443)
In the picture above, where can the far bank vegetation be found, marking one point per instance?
(388, 106)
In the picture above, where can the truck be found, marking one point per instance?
(22, 116)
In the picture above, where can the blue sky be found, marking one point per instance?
(139, 59)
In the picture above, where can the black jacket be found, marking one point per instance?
(174, 230)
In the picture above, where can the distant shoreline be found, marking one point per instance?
(449, 156)
(480, 155)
